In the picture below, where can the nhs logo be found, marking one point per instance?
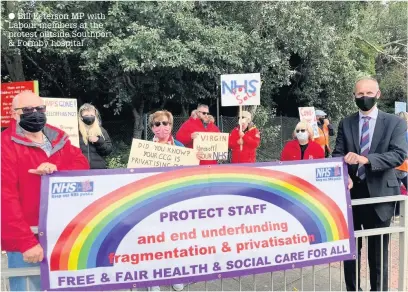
(73, 189)
(328, 173)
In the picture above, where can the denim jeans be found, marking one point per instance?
(15, 260)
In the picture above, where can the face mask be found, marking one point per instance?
(321, 120)
(162, 132)
(33, 122)
(88, 120)
(302, 136)
(365, 103)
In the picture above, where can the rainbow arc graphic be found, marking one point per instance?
(98, 230)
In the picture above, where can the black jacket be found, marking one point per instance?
(388, 150)
(95, 152)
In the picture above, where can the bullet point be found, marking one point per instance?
(12, 15)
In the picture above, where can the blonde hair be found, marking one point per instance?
(154, 116)
(403, 115)
(304, 125)
(92, 130)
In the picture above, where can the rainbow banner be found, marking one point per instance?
(131, 228)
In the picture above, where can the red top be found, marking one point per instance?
(191, 126)
(251, 139)
(291, 151)
(20, 190)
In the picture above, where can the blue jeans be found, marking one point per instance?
(15, 260)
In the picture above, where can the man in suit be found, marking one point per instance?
(373, 143)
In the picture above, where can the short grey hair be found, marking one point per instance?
(203, 105)
(366, 78)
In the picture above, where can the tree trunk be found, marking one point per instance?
(138, 125)
(12, 55)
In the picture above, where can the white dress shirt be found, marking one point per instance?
(373, 115)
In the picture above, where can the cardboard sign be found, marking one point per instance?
(63, 114)
(308, 115)
(400, 107)
(213, 145)
(241, 89)
(152, 154)
(8, 91)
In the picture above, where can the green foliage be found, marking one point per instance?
(119, 156)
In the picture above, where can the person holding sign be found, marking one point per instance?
(161, 124)
(30, 148)
(93, 139)
(189, 129)
(249, 139)
(325, 131)
(302, 147)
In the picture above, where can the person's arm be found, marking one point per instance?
(252, 138)
(103, 145)
(184, 133)
(15, 232)
(285, 153)
(331, 130)
(397, 151)
(340, 148)
(233, 139)
(319, 151)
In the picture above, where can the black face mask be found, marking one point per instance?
(321, 120)
(33, 122)
(88, 120)
(365, 103)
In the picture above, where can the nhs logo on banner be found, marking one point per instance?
(73, 189)
(328, 173)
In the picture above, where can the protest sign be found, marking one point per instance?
(127, 228)
(213, 145)
(400, 107)
(308, 115)
(151, 154)
(241, 89)
(8, 91)
(63, 114)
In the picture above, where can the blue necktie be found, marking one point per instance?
(364, 145)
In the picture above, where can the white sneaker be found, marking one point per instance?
(178, 287)
(153, 288)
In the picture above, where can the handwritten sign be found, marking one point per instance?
(8, 92)
(400, 107)
(63, 114)
(308, 115)
(152, 154)
(162, 226)
(213, 145)
(241, 89)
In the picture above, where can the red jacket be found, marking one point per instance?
(195, 125)
(251, 139)
(20, 190)
(291, 151)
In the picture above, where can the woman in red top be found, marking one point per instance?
(302, 147)
(249, 138)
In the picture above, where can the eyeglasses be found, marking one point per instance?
(301, 130)
(30, 109)
(205, 113)
(158, 124)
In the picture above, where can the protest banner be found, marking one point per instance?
(213, 145)
(128, 228)
(241, 89)
(8, 91)
(400, 107)
(151, 154)
(63, 114)
(308, 115)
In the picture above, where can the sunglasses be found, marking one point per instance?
(301, 130)
(30, 109)
(205, 113)
(158, 124)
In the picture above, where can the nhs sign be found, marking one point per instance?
(61, 188)
(329, 173)
(241, 89)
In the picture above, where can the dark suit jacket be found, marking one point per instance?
(388, 150)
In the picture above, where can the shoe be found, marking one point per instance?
(178, 287)
(154, 288)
